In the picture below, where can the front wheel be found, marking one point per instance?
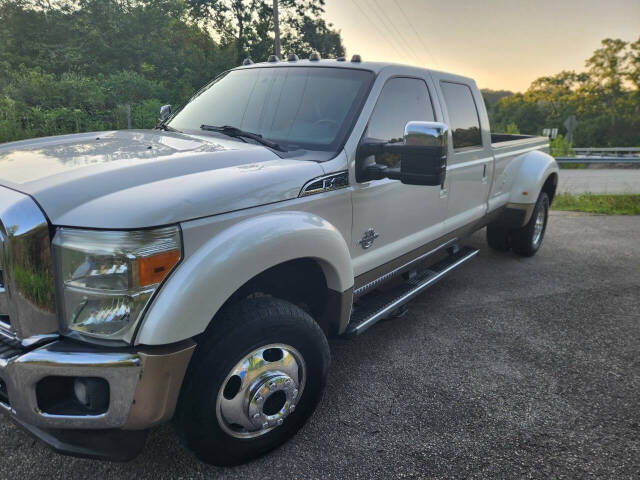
(526, 241)
(255, 379)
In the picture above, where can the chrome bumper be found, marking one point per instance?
(143, 385)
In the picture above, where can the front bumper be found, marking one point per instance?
(143, 388)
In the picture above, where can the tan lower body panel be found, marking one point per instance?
(411, 259)
(157, 393)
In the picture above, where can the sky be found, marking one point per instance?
(503, 44)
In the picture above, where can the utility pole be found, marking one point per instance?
(276, 27)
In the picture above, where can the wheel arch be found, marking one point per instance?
(246, 255)
(537, 171)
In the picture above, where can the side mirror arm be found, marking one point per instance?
(378, 172)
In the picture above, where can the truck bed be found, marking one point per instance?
(500, 141)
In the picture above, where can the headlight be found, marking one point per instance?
(107, 278)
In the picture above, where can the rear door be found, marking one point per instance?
(470, 159)
(390, 218)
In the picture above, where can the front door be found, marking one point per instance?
(390, 218)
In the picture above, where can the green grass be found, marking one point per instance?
(573, 166)
(627, 204)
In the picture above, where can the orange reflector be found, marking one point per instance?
(153, 269)
(525, 193)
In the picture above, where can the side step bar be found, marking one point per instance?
(381, 306)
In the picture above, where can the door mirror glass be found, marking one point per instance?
(422, 153)
(165, 112)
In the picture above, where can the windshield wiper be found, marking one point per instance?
(236, 132)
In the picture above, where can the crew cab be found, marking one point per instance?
(195, 271)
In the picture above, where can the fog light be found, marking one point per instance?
(92, 393)
(80, 396)
(80, 389)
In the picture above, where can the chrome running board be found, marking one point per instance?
(379, 307)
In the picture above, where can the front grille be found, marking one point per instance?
(5, 321)
(9, 347)
(27, 299)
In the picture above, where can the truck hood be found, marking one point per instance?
(143, 178)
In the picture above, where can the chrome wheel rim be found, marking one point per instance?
(261, 391)
(538, 228)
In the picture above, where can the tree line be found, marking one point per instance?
(74, 65)
(605, 100)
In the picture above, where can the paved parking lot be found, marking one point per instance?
(509, 368)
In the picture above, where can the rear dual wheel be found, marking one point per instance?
(527, 240)
(255, 379)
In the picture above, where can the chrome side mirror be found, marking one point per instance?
(422, 155)
(425, 160)
(427, 134)
(165, 113)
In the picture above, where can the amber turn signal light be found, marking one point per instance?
(153, 269)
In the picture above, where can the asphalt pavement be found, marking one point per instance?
(508, 368)
(599, 180)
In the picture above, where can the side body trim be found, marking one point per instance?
(326, 183)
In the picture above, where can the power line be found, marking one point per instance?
(407, 44)
(380, 31)
(416, 33)
(384, 23)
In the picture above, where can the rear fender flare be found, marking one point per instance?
(534, 169)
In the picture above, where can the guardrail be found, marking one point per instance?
(598, 159)
(608, 151)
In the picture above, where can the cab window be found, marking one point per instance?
(463, 115)
(402, 100)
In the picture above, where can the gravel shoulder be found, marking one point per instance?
(508, 368)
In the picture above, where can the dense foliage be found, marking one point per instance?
(605, 100)
(73, 65)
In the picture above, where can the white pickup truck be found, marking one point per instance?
(196, 270)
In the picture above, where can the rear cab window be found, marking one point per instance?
(464, 120)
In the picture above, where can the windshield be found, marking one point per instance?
(311, 108)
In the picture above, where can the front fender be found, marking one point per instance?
(204, 281)
(531, 174)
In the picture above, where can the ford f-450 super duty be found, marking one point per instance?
(195, 271)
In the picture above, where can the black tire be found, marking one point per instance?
(525, 242)
(498, 238)
(237, 331)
